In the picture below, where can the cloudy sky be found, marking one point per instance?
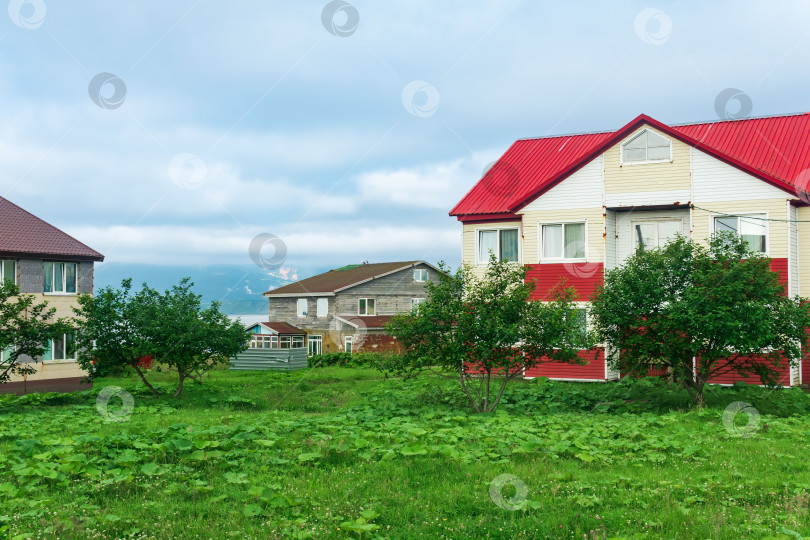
(173, 133)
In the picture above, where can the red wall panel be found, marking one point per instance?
(584, 277)
(781, 266)
(595, 369)
(732, 377)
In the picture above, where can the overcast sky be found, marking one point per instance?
(347, 130)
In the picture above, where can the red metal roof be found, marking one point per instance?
(773, 149)
(22, 234)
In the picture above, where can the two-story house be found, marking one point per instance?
(346, 309)
(569, 207)
(55, 267)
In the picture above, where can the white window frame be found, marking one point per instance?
(325, 303)
(656, 221)
(348, 344)
(416, 301)
(498, 228)
(64, 278)
(13, 278)
(585, 307)
(763, 214)
(420, 270)
(552, 260)
(299, 340)
(274, 342)
(367, 313)
(622, 162)
(298, 311)
(49, 351)
(261, 341)
(317, 340)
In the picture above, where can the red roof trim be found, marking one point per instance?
(627, 130)
(470, 218)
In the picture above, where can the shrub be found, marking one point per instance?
(381, 361)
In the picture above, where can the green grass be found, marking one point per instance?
(334, 452)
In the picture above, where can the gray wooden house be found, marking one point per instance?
(346, 309)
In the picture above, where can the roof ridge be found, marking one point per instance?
(566, 135)
(746, 119)
(703, 122)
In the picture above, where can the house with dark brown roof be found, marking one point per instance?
(55, 267)
(346, 309)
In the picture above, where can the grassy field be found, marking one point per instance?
(339, 452)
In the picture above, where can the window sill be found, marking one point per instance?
(60, 294)
(67, 361)
(485, 264)
(562, 261)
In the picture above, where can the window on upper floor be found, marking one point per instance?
(323, 307)
(366, 306)
(8, 270)
(301, 307)
(646, 147)
(420, 275)
(654, 234)
(502, 242)
(60, 277)
(563, 241)
(752, 228)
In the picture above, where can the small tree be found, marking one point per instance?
(186, 336)
(112, 331)
(482, 330)
(26, 327)
(718, 304)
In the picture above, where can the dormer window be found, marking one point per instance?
(647, 147)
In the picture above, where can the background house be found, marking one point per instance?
(275, 335)
(44, 261)
(346, 309)
(570, 207)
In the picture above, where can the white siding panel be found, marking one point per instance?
(713, 180)
(583, 189)
(647, 198)
(624, 220)
(610, 239)
(793, 251)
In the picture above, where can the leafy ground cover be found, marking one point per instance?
(341, 452)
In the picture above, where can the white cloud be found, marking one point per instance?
(179, 245)
(436, 186)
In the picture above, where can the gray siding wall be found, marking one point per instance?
(392, 294)
(30, 276)
(85, 277)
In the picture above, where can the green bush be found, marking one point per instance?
(380, 361)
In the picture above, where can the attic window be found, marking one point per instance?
(646, 147)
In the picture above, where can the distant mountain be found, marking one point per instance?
(238, 288)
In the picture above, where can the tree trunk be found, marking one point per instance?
(469, 396)
(143, 378)
(180, 384)
(486, 397)
(500, 393)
